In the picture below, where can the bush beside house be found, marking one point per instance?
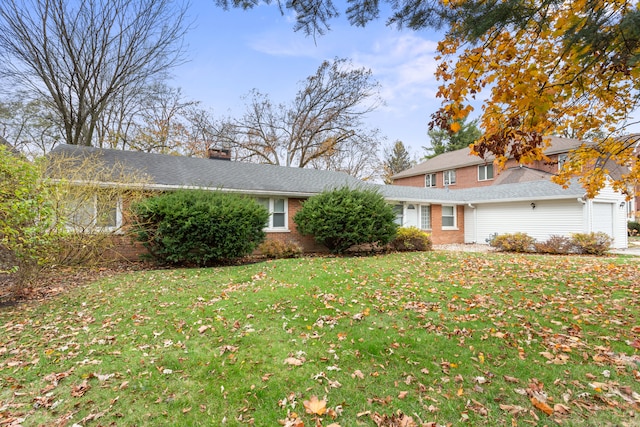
(199, 227)
(579, 243)
(342, 218)
(411, 239)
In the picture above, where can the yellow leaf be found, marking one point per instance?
(455, 127)
(315, 406)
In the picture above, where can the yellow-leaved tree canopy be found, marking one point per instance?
(544, 67)
(567, 68)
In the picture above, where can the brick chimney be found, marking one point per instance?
(220, 153)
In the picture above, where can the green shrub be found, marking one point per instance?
(345, 217)
(411, 239)
(633, 228)
(199, 227)
(27, 218)
(517, 242)
(555, 244)
(276, 249)
(592, 243)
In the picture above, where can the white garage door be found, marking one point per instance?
(602, 218)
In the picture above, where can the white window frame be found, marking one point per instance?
(90, 220)
(485, 169)
(425, 209)
(430, 180)
(454, 216)
(447, 175)
(562, 159)
(271, 208)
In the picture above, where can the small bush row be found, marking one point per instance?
(578, 243)
(633, 228)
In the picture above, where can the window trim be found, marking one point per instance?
(455, 217)
(432, 180)
(486, 167)
(422, 209)
(562, 159)
(446, 177)
(269, 227)
(93, 214)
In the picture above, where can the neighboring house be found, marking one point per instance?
(470, 215)
(459, 169)
(519, 198)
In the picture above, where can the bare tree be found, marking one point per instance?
(81, 56)
(324, 121)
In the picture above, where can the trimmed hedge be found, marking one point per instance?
(342, 218)
(199, 227)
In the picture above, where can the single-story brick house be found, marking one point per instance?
(539, 208)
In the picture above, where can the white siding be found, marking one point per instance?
(610, 206)
(549, 217)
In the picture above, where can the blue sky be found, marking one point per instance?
(232, 52)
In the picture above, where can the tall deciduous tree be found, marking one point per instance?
(322, 125)
(396, 159)
(444, 140)
(552, 67)
(81, 56)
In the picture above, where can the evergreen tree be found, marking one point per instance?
(396, 160)
(443, 140)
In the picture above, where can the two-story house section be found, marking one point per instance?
(459, 169)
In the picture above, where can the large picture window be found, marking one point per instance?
(277, 212)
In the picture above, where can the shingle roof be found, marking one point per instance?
(166, 171)
(461, 158)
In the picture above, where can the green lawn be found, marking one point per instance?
(430, 339)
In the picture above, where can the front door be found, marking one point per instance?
(411, 217)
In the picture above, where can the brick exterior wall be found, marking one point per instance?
(444, 237)
(467, 176)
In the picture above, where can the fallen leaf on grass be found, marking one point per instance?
(542, 406)
(202, 329)
(294, 361)
(81, 389)
(357, 374)
(315, 406)
(396, 420)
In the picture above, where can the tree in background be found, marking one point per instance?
(554, 67)
(80, 57)
(396, 160)
(322, 125)
(444, 140)
(551, 65)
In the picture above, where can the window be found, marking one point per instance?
(562, 158)
(448, 216)
(277, 212)
(449, 177)
(430, 180)
(485, 172)
(101, 211)
(425, 217)
(399, 211)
